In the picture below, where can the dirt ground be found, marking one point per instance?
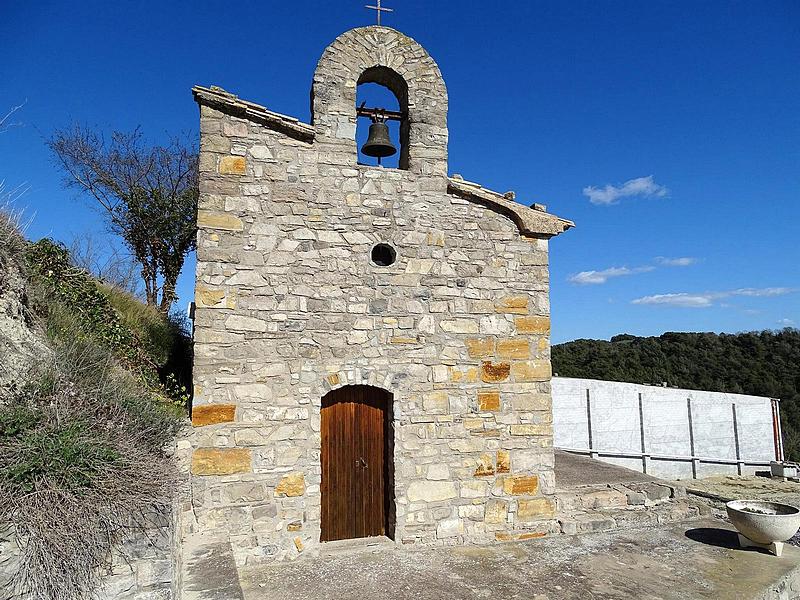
(693, 560)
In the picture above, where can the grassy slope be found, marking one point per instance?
(84, 438)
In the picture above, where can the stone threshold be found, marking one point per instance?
(354, 545)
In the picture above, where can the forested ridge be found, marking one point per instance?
(765, 363)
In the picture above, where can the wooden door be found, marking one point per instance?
(355, 455)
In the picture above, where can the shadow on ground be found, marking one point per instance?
(713, 536)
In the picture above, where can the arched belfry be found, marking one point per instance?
(372, 351)
(385, 56)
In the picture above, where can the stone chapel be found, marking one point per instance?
(371, 344)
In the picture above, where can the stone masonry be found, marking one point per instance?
(289, 306)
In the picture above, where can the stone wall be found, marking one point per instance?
(289, 306)
(141, 568)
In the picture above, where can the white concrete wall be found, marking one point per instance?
(617, 428)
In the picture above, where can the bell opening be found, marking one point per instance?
(378, 143)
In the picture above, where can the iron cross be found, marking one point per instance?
(379, 9)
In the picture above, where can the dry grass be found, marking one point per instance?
(12, 242)
(83, 465)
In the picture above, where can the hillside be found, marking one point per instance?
(765, 363)
(92, 392)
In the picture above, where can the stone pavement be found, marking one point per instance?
(680, 561)
(722, 488)
(577, 470)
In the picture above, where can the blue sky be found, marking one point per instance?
(665, 130)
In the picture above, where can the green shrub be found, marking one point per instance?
(71, 453)
(154, 348)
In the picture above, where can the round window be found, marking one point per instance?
(383, 255)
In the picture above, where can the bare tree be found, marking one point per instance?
(147, 193)
(6, 123)
(106, 261)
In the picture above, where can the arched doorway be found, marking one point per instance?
(357, 463)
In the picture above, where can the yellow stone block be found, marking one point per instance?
(220, 461)
(535, 509)
(487, 433)
(479, 347)
(333, 379)
(485, 466)
(534, 370)
(404, 340)
(491, 371)
(467, 375)
(293, 484)
(496, 511)
(208, 297)
(513, 348)
(298, 543)
(521, 485)
(232, 165)
(211, 414)
(216, 220)
(214, 298)
(503, 461)
(513, 304)
(436, 238)
(533, 324)
(489, 400)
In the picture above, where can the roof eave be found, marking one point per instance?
(219, 99)
(530, 221)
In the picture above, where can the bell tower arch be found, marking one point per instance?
(385, 56)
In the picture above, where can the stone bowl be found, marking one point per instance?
(764, 522)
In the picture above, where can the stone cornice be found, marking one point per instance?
(231, 104)
(530, 221)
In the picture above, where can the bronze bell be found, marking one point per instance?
(378, 143)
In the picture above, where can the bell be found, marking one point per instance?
(378, 143)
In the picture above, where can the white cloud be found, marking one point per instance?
(760, 292)
(683, 261)
(707, 299)
(596, 277)
(645, 187)
(683, 300)
(786, 322)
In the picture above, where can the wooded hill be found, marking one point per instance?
(765, 363)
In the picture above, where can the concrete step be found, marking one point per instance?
(617, 495)
(630, 517)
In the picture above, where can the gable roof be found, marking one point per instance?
(530, 220)
(216, 97)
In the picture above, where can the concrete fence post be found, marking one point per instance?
(645, 456)
(592, 452)
(695, 461)
(739, 463)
